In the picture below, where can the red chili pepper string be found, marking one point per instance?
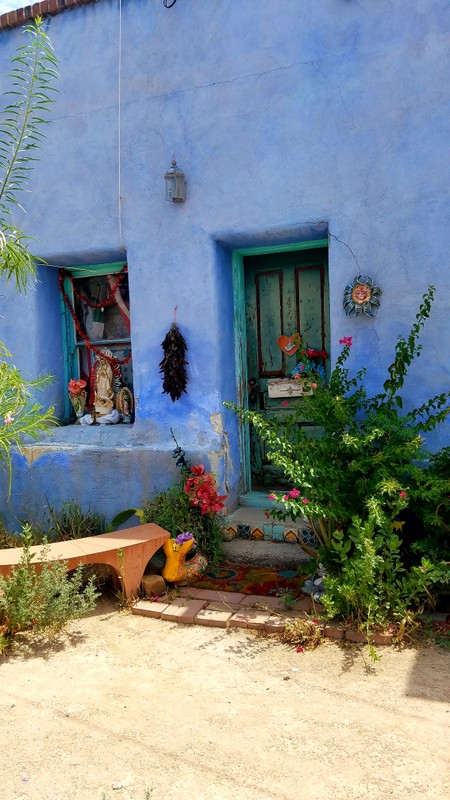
(112, 360)
(109, 300)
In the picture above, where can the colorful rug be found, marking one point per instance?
(249, 579)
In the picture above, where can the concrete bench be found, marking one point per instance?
(127, 552)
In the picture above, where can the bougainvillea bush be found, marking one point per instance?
(363, 469)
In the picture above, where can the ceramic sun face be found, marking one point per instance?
(361, 296)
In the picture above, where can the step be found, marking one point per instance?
(262, 553)
(252, 523)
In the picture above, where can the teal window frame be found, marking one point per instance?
(70, 344)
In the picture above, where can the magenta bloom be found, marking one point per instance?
(346, 340)
(285, 403)
(305, 500)
(272, 497)
(294, 493)
(402, 494)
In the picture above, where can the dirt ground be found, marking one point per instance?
(128, 708)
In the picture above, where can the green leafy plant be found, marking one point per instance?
(71, 522)
(371, 587)
(41, 600)
(22, 129)
(357, 482)
(190, 506)
(288, 597)
(22, 125)
(367, 447)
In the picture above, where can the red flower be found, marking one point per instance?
(402, 494)
(76, 387)
(346, 340)
(198, 470)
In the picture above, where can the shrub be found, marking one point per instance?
(71, 522)
(370, 586)
(368, 446)
(41, 601)
(173, 511)
(359, 479)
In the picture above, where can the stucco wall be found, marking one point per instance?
(286, 118)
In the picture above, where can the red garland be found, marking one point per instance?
(115, 362)
(111, 297)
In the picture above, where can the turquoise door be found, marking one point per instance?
(285, 293)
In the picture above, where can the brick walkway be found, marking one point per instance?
(223, 609)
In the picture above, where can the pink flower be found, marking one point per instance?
(305, 500)
(272, 497)
(299, 649)
(286, 497)
(294, 493)
(314, 386)
(402, 494)
(346, 340)
(8, 419)
(285, 403)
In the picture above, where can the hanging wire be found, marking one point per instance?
(167, 4)
(119, 104)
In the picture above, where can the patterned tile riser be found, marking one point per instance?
(270, 532)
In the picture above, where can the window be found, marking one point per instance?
(96, 308)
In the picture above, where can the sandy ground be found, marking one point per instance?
(124, 704)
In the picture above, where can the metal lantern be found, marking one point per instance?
(175, 183)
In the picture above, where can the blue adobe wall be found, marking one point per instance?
(286, 118)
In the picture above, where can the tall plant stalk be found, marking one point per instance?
(22, 131)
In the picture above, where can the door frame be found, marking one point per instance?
(240, 337)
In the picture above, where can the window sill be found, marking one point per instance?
(92, 436)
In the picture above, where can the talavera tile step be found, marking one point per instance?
(254, 524)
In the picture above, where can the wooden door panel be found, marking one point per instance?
(284, 293)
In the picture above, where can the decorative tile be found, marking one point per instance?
(278, 533)
(268, 532)
(257, 533)
(243, 530)
(230, 530)
(290, 535)
(307, 536)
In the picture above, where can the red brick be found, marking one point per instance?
(12, 18)
(335, 631)
(252, 600)
(215, 618)
(382, 638)
(35, 8)
(183, 610)
(248, 618)
(3, 20)
(212, 595)
(20, 15)
(355, 636)
(274, 624)
(146, 608)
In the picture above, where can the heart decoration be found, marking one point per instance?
(289, 344)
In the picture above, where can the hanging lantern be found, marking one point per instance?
(175, 183)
